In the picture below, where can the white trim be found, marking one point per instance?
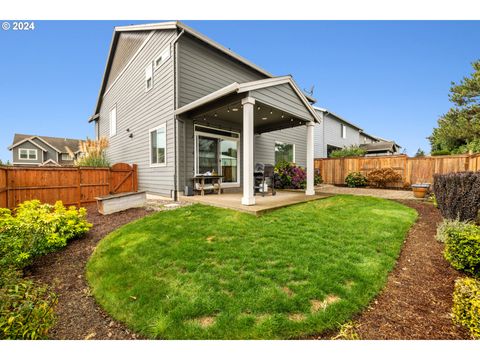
(49, 161)
(128, 64)
(112, 126)
(164, 126)
(285, 143)
(249, 86)
(28, 154)
(30, 141)
(168, 25)
(217, 136)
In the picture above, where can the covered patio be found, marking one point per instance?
(254, 108)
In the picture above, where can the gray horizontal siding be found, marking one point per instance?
(202, 70)
(27, 145)
(329, 133)
(265, 144)
(140, 111)
(283, 97)
(51, 152)
(127, 45)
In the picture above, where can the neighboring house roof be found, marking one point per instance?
(381, 146)
(50, 162)
(326, 111)
(171, 25)
(60, 145)
(376, 138)
(249, 86)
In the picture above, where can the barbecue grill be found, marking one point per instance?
(264, 179)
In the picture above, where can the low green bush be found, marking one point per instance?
(347, 151)
(448, 225)
(355, 179)
(466, 305)
(440, 152)
(462, 247)
(36, 229)
(26, 308)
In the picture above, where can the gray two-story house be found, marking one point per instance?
(179, 104)
(34, 150)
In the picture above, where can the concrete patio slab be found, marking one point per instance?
(263, 204)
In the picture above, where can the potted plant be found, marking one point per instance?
(420, 190)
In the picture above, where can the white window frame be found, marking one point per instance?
(163, 57)
(344, 131)
(28, 154)
(69, 157)
(163, 126)
(149, 76)
(239, 153)
(284, 143)
(112, 120)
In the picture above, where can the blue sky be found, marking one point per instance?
(391, 78)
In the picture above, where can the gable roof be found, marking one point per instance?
(250, 86)
(326, 111)
(170, 25)
(381, 146)
(60, 145)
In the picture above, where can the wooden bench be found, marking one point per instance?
(200, 185)
(110, 204)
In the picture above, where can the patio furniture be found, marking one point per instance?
(264, 179)
(207, 182)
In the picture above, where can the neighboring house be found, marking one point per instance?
(381, 148)
(367, 138)
(334, 133)
(33, 150)
(179, 104)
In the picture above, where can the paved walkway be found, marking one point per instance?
(381, 193)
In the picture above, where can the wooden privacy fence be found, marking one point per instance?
(72, 185)
(413, 170)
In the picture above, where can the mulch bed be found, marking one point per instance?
(78, 315)
(417, 301)
(415, 304)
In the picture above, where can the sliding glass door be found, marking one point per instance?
(217, 151)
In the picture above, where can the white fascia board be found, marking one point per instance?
(27, 140)
(208, 98)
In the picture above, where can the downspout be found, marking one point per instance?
(175, 87)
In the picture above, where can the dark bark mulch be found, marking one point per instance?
(417, 300)
(78, 315)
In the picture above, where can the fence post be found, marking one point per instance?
(79, 186)
(7, 185)
(135, 177)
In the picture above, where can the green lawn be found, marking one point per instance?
(201, 272)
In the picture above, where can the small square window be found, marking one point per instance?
(164, 56)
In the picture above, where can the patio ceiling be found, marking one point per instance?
(278, 105)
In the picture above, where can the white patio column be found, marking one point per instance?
(310, 159)
(248, 138)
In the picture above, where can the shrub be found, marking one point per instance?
(37, 229)
(466, 305)
(353, 150)
(449, 225)
(458, 195)
(26, 309)
(440, 152)
(381, 177)
(355, 179)
(462, 247)
(291, 176)
(93, 153)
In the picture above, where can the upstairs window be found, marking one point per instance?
(284, 152)
(344, 131)
(148, 77)
(28, 154)
(158, 146)
(164, 56)
(113, 121)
